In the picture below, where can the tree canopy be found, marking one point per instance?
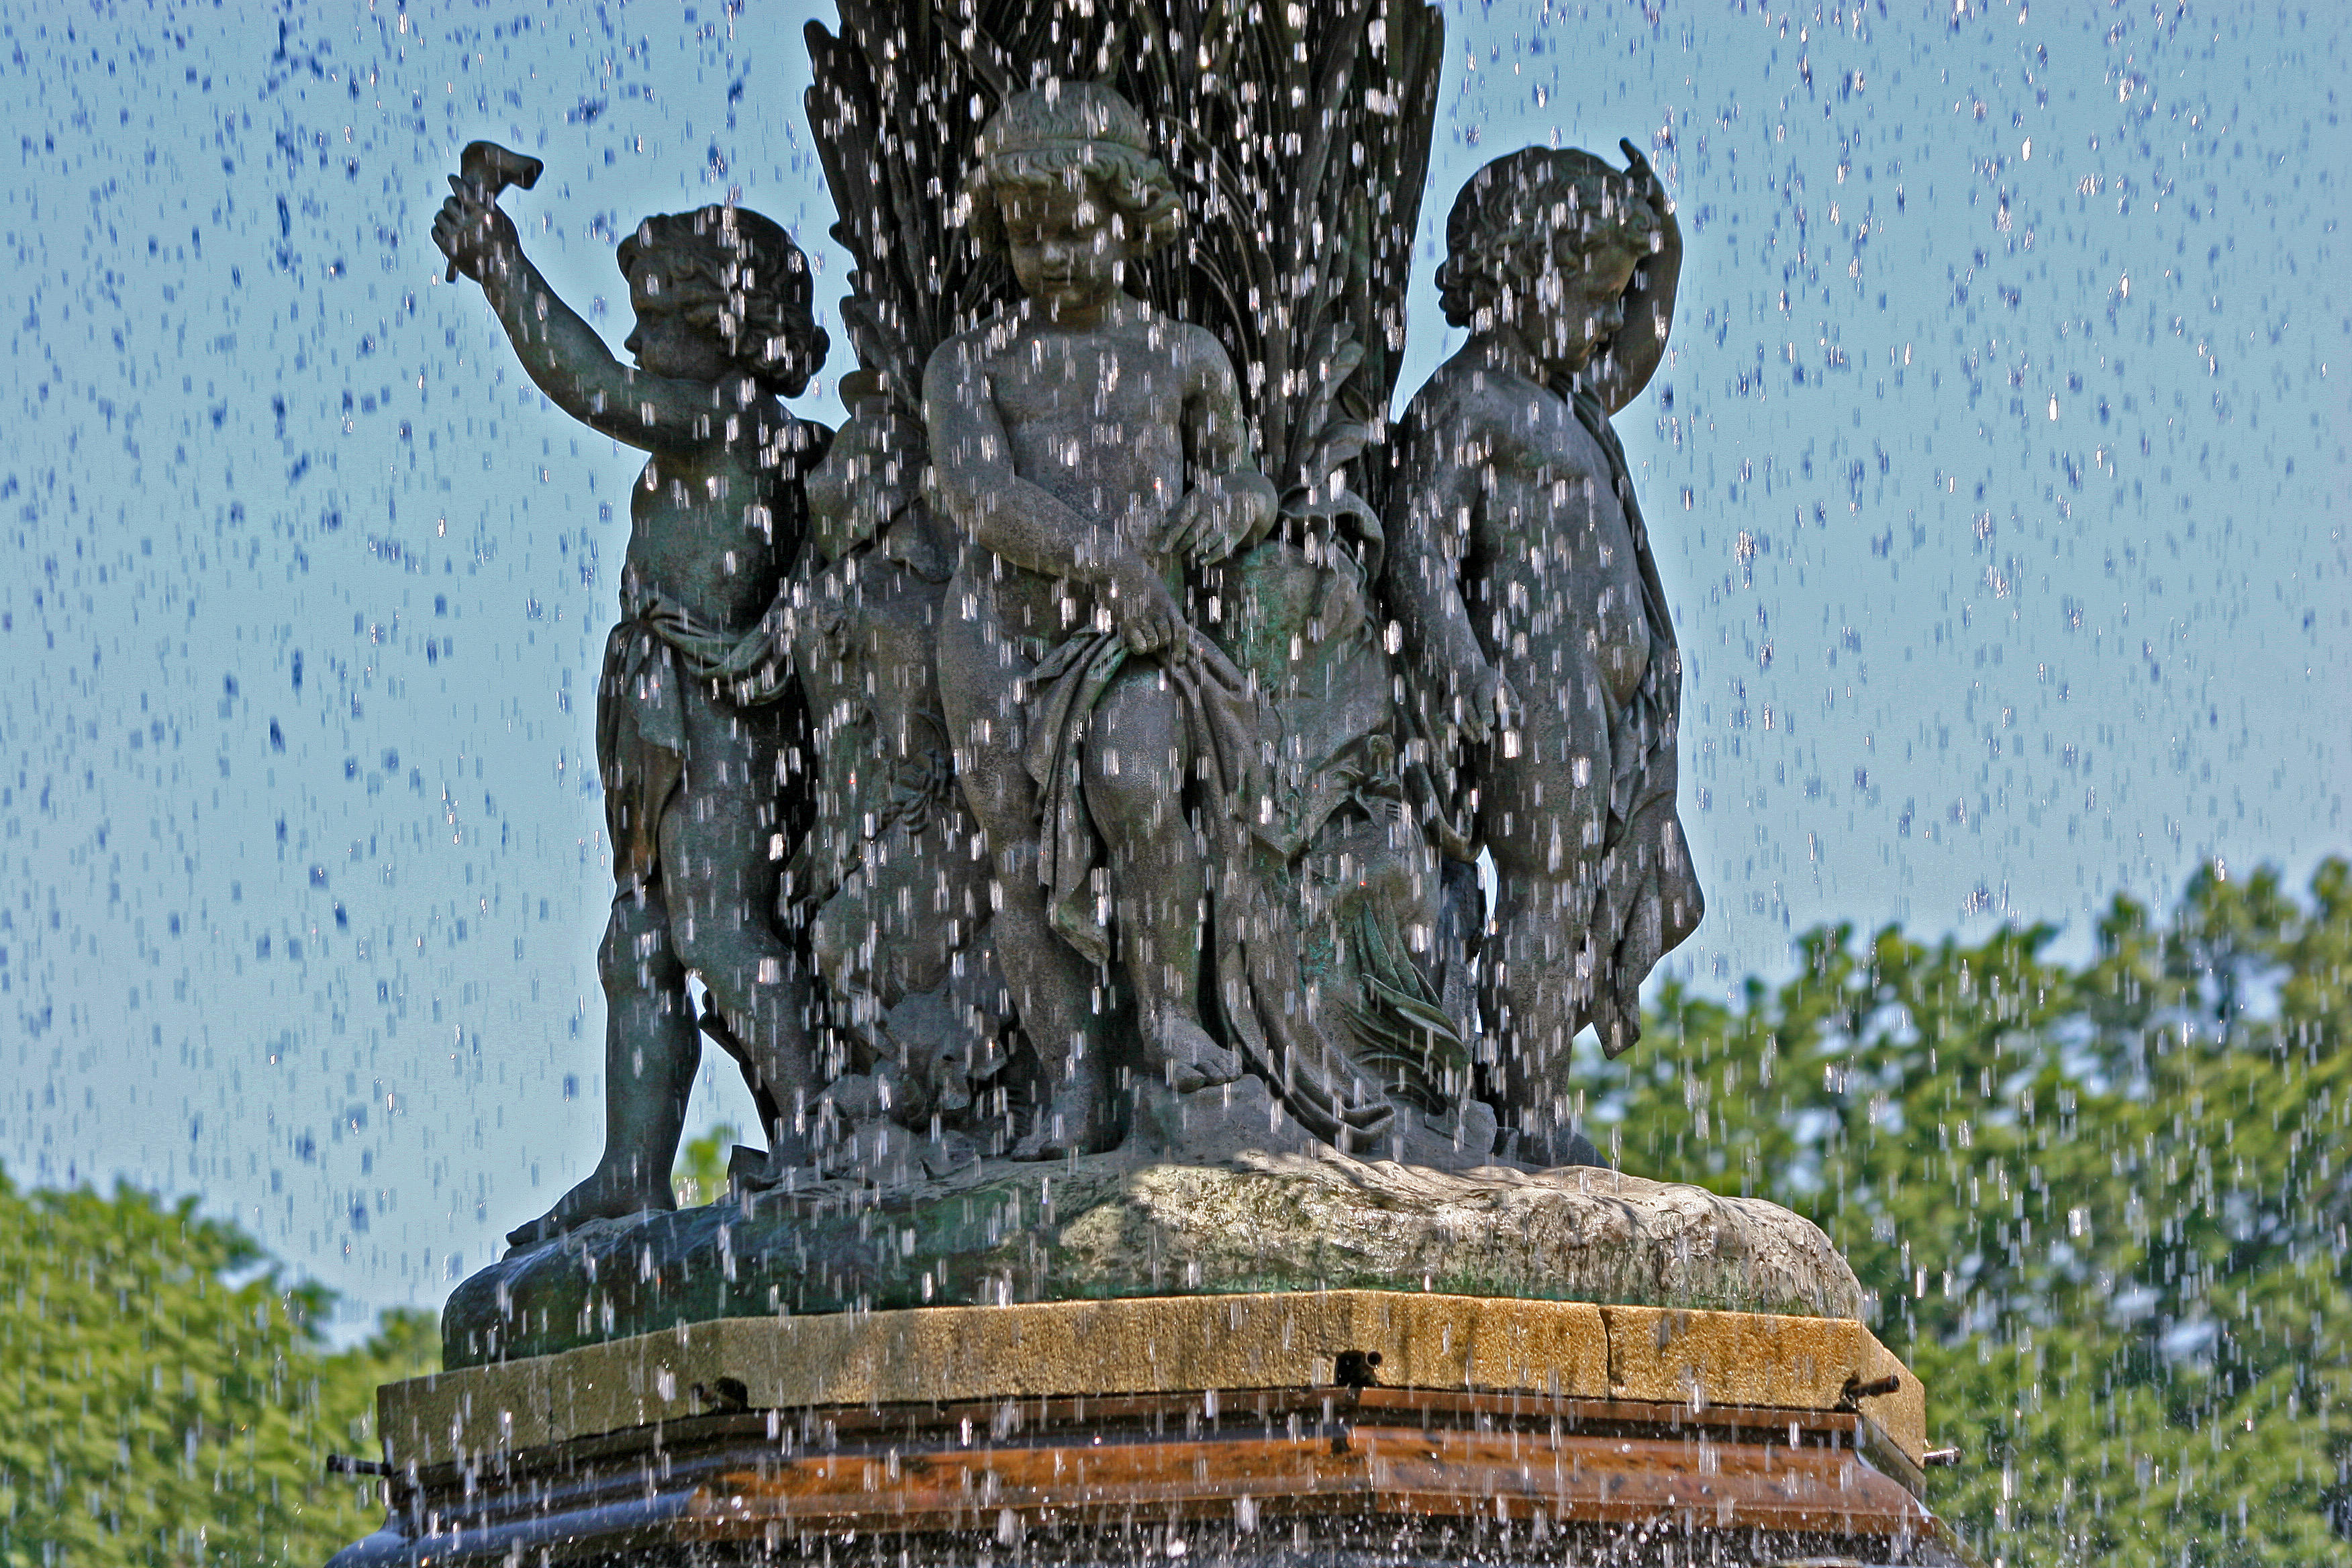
(170, 1399)
(2103, 1209)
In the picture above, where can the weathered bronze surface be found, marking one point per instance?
(1111, 715)
(1535, 626)
(1124, 292)
(1068, 783)
(697, 719)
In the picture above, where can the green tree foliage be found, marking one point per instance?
(700, 1174)
(2103, 1210)
(167, 1397)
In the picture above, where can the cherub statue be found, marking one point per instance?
(694, 712)
(1536, 632)
(1092, 453)
(1089, 449)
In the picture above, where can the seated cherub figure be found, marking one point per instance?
(1536, 631)
(693, 707)
(1090, 452)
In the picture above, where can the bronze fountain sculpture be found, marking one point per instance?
(1069, 782)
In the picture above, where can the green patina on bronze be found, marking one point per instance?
(1102, 1227)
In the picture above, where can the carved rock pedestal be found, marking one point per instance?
(1341, 1427)
(1290, 1357)
(1136, 1224)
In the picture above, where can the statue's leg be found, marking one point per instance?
(1137, 759)
(651, 1050)
(1052, 988)
(1542, 817)
(721, 882)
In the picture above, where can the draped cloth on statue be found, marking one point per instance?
(658, 647)
(1262, 1000)
(1649, 896)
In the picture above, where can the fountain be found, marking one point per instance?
(1069, 782)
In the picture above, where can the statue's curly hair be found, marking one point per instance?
(1523, 215)
(1064, 133)
(740, 273)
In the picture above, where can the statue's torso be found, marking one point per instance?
(706, 529)
(1096, 419)
(1554, 585)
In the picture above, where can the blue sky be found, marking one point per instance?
(2001, 501)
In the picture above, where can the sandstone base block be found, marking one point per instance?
(1000, 1356)
(1348, 1428)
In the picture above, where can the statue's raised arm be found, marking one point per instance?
(697, 725)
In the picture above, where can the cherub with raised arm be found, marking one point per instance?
(1090, 451)
(1536, 631)
(696, 719)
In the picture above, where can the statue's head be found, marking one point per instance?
(727, 276)
(1545, 242)
(1067, 183)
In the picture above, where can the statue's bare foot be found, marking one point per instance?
(1617, 1021)
(1077, 1121)
(603, 1196)
(1181, 1051)
(787, 1155)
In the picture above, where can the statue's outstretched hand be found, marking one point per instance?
(1145, 612)
(1215, 519)
(471, 231)
(1492, 708)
